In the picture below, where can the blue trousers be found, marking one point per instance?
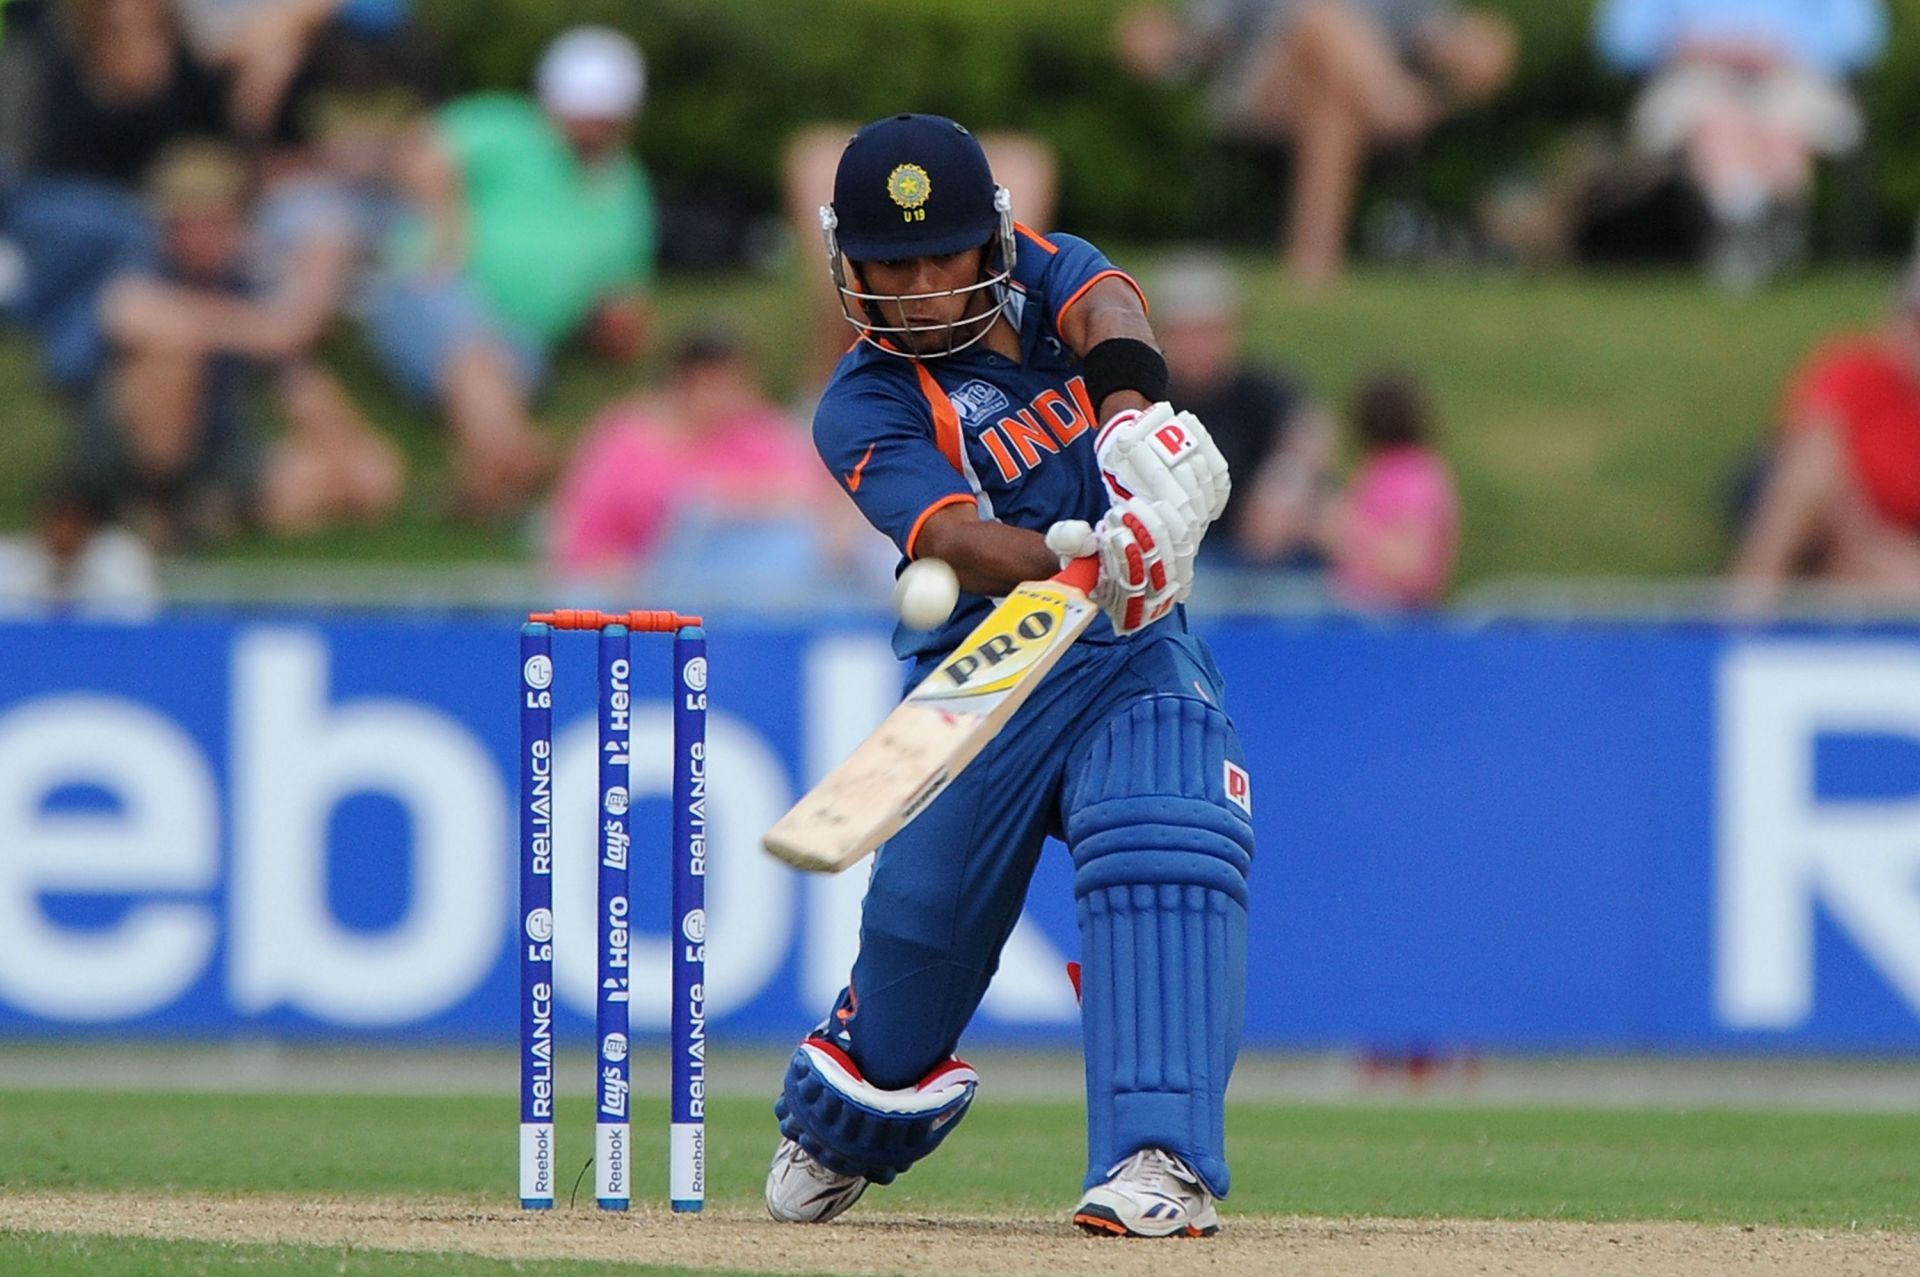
(946, 892)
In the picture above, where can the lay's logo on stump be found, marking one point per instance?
(1005, 646)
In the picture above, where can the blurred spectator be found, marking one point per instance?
(327, 209)
(1395, 533)
(268, 48)
(166, 428)
(99, 88)
(90, 94)
(536, 224)
(1747, 93)
(1278, 443)
(707, 444)
(1335, 79)
(78, 562)
(1840, 499)
(1025, 165)
(706, 481)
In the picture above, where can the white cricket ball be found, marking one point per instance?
(925, 593)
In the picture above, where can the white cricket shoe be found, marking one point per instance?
(802, 1191)
(1151, 1194)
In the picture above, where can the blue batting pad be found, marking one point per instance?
(854, 1127)
(1161, 856)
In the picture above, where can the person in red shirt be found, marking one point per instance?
(1841, 499)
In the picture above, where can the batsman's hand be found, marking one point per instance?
(1141, 576)
(1166, 457)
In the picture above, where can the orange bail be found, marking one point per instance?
(640, 622)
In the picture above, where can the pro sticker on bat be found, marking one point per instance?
(1003, 647)
(1239, 788)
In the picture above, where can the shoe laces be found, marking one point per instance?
(817, 1170)
(1153, 1168)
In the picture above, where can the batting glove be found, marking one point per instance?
(1141, 576)
(1169, 458)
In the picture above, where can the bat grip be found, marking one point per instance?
(1082, 574)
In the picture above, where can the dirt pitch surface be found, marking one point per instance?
(877, 1243)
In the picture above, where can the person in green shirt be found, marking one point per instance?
(532, 223)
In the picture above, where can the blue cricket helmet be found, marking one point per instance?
(913, 186)
(916, 186)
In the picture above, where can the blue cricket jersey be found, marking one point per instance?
(908, 437)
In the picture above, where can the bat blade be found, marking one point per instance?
(931, 736)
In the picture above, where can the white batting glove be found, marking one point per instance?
(1141, 577)
(1167, 457)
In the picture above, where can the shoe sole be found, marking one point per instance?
(1102, 1222)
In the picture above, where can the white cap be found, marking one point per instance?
(592, 73)
(1195, 287)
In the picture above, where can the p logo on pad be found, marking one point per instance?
(1239, 788)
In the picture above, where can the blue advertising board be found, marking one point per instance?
(1495, 837)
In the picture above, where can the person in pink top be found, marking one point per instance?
(1395, 534)
(667, 475)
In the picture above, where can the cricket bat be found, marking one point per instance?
(940, 727)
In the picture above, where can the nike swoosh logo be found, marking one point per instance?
(853, 480)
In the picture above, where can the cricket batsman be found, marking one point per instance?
(1004, 409)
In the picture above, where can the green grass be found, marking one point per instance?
(1816, 1170)
(1013, 1157)
(1595, 422)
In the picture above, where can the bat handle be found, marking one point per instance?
(1082, 574)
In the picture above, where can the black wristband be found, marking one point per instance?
(1125, 363)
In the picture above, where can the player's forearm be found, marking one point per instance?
(989, 558)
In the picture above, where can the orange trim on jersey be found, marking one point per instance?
(1060, 315)
(866, 335)
(1046, 244)
(955, 498)
(946, 422)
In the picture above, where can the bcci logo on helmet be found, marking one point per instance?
(909, 186)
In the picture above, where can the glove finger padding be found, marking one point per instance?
(1209, 466)
(1142, 573)
(1167, 457)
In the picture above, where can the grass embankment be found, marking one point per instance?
(1596, 423)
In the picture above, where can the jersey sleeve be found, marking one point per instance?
(1072, 266)
(881, 448)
